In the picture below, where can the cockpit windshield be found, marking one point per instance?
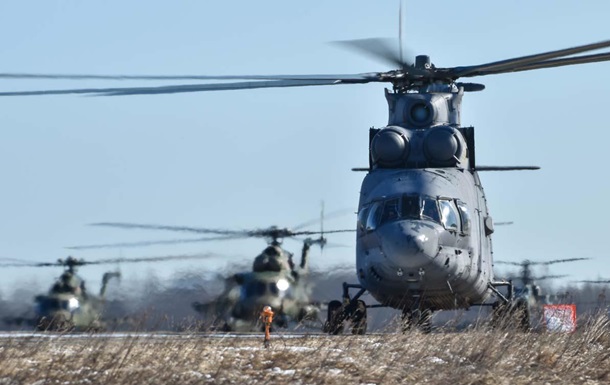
(451, 213)
(261, 288)
(254, 289)
(408, 206)
(45, 305)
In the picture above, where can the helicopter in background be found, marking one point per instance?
(528, 296)
(68, 305)
(424, 231)
(275, 279)
(602, 303)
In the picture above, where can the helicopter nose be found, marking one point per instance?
(410, 244)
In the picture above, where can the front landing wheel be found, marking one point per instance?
(335, 318)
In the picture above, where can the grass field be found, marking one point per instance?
(471, 357)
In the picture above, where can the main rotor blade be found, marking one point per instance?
(184, 88)
(348, 77)
(149, 243)
(559, 261)
(549, 277)
(152, 259)
(531, 263)
(508, 263)
(318, 232)
(18, 263)
(557, 63)
(377, 48)
(186, 229)
(400, 53)
(595, 281)
(509, 64)
(268, 232)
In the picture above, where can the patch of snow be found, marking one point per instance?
(300, 349)
(195, 373)
(242, 348)
(436, 360)
(335, 372)
(287, 372)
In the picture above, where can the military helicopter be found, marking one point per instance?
(68, 305)
(274, 280)
(528, 297)
(424, 229)
(601, 298)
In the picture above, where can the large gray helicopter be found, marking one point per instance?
(424, 229)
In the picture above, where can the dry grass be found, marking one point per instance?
(473, 357)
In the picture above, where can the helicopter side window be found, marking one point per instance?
(410, 207)
(362, 216)
(449, 215)
(391, 211)
(465, 216)
(372, 219)
(429, 209)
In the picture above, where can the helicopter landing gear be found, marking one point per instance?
(514, 315)
(417, 319)
(351, 309)
(509, 312)
(359, 319)
(58, 323)
(334, 319)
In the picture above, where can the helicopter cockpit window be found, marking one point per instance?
(48, 304)
(449, 215)
(391, 211)
(465, 216)
(254, 289)
(410, 207)
(373, 218)
(429, 209)
(272, 286)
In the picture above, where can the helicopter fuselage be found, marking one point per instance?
(423, 238)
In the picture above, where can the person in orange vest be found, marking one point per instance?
(267, 318)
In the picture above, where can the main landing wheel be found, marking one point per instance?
(335, 318)
(358, 319)
(515, 315)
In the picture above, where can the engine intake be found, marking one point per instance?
(390, 147)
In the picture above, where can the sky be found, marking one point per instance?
(255, 158)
